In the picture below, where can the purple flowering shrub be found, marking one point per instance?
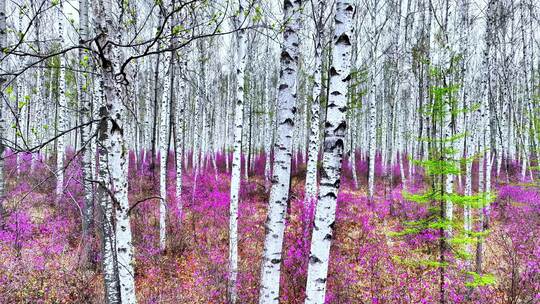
(40, 239)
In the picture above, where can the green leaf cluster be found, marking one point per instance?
(480, 280)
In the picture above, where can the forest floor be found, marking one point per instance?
(40, 243)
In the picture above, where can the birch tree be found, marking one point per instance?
(108, 245)
(334, 143)
(166, 100)
(241, 45)
(61, 123)
(281, 173)
(372, 98)
(318, 9)
(180, 136)
(485, 137)
(3, 41)
(86, 136)
(112, 128)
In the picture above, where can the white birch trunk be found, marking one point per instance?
(267, 123)
(236, 162)
(353, 132)
(372, 138)
(449, 181)
(84, 101)
(227, 124)
(314, 136)
(3, 42)
(180, 135)
(372, 102)
(335, 130)
(163, 153)
(61, 123)
(117, 153)
(110, 270)
(281, 173)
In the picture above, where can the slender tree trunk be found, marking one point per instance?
(450, 178)
(267, 123)
(84, 100)
(467, 212)
(335, 130)
(61, 124)
(486, 136)
(163, 148)
(155, 124)
(110, 270)
(236, 162)
(226, 137)
(180, 137)
(3, 41)
(314, 136)
(117, 152)
(468, 141)
(352, 131)
(372, 96)
(281, 174)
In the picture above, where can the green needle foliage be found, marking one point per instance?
(445, 161)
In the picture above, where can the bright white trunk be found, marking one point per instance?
(117, 154)
(110, 269)
(372, 139)
(281, 173)
(267, 123)
(314, 136)
(180, 139)
(236, 162)
(2, 117)
(61, 123)
(163, 153)
(335, 130)
(84, 101)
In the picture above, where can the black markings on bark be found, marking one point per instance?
(332, 225)
(332, 195)
(289, 121)
(287, 5)
(285, 56)
(313, 259)
(344, 39)
(341, 129)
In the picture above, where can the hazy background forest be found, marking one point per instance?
(244, 151)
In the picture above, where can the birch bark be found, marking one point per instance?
(180, 135)
(163, 143)
(372, 102)
(84, 101)
(335, 130)
(314, 141)
(110, 269)
(281, 173)
(60, 144)
(116, 149)
(241, 45)
(3, 41)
